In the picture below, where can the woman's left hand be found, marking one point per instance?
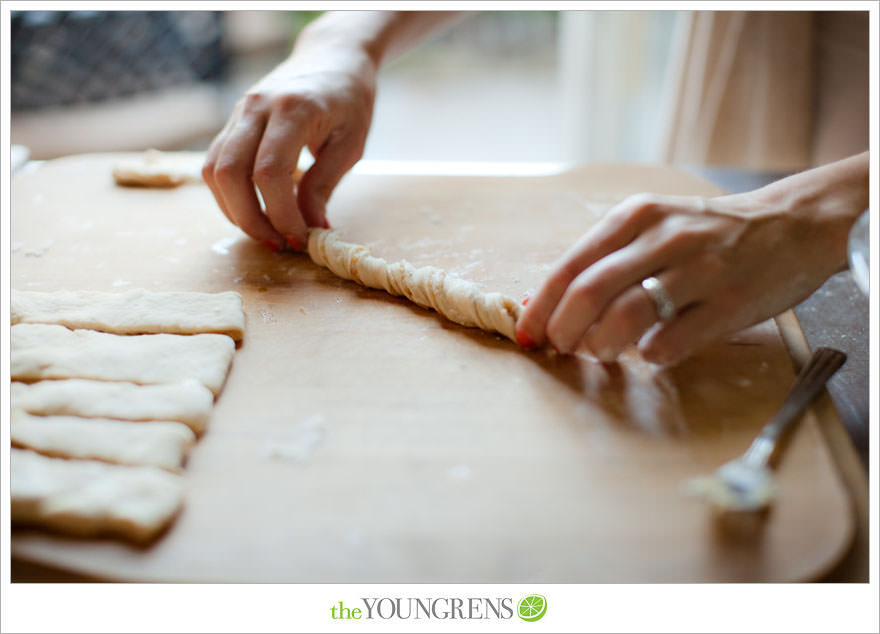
(726, 263)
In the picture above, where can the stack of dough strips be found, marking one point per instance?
(109, 393)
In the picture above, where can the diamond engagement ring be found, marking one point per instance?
(662, 302)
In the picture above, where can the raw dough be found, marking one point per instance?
(153, 168)
(90, 498)
(456, 299)
(133, 312)
(164, 170)
(41, 351)
(155, 443)
(188, 402)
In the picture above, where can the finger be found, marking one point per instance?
(614, 231)
(633, 312)
(274, 169)
(336, 157)
(209, 167)
(588, 295)
(233, 175)
(687, 333)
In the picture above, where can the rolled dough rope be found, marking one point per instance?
(90, 498)
(456, 299)
(133, 312)
(162, 444)
(42, 351)
(188, 402)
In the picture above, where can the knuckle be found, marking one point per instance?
(563, 274)
(289, 102)
(641, 200)
(320, 190)
(266, 171)
(713, 263)
(627, 319)
(644, 207)
(634, 208)
(679, 239)
(229, 170)
(647, 212)
(298, 106)
(586, 293)
(350, 145)
(252, 102)
(208, 171)
(556, 284)
(355, 150)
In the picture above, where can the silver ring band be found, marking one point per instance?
(662, 302)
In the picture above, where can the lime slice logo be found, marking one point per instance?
(532, 608)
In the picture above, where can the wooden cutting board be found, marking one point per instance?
(362, 439)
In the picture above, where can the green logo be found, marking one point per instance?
(532, 608)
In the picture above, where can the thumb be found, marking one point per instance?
(335, 158)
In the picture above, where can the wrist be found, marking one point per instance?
(354, 35)
(835, 190)
(826, 201)
(377, 35)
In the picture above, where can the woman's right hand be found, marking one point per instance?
(320, 98)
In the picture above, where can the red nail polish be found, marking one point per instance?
(326, 224)
(524, 340)
(526, 301)
(272, 245)
(293, 242)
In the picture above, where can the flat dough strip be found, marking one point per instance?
(456, 299)
(153, 168)
(188, 402)
(165, 170)
(133, 312)
(42, 351)
(90, 498)
(162, 444)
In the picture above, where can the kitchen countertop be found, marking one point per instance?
(620, 440)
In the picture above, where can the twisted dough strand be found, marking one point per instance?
(456, 299)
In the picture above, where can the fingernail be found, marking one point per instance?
(293, 242)
(326, 223)
(273, 245)
(526, 301)
(524, 340)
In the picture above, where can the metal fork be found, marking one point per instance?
(746, 483)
